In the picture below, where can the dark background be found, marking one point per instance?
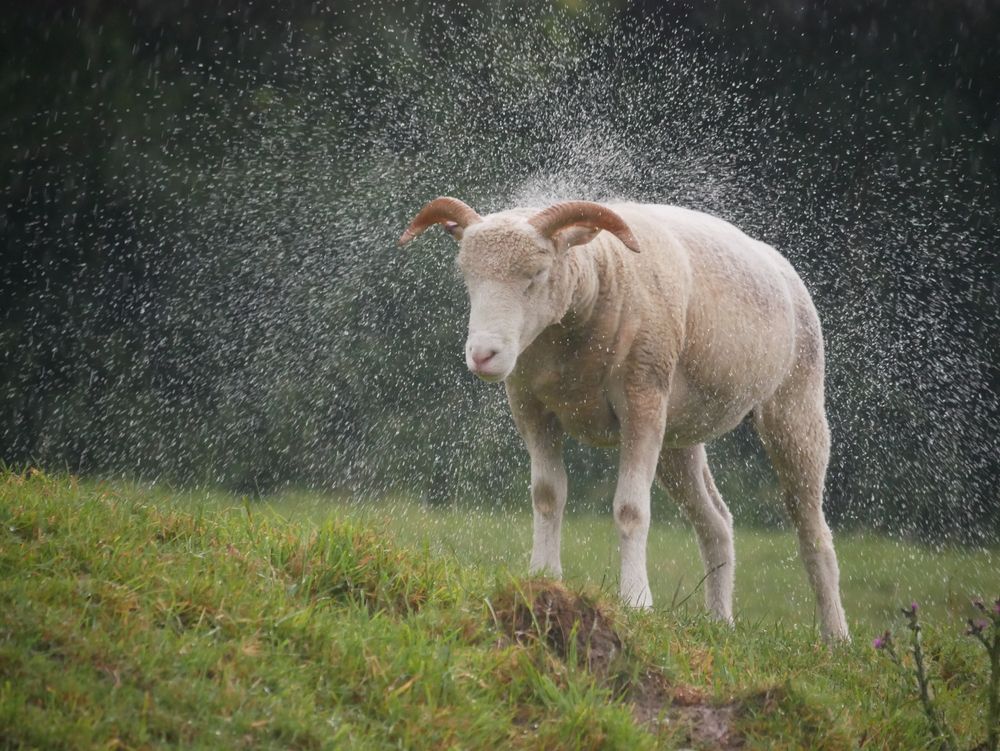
(200, 199)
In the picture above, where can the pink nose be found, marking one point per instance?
(481, 357)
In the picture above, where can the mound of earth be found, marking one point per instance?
(573, 625)
(546, 611)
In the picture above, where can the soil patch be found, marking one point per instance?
(663, 707)
(541, 610)
(571, 625)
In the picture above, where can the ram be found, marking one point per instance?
(656, 329)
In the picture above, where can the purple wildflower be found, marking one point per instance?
(882, 642)
(976, 627)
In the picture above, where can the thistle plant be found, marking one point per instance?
(887, 645)
(986, 630)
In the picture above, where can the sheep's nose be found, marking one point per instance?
(482, 355)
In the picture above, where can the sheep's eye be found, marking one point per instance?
(537, 279)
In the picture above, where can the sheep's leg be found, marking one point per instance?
(542, 436)
(793, 427)
(548, 499)
(642, 438)
(685, 475)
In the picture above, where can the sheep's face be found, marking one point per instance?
(512, 275)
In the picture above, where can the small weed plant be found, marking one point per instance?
(985, 628)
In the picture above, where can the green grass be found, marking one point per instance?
(138, 618)
(877, 574)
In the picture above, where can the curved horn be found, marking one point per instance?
(561, 215)
(440, 211)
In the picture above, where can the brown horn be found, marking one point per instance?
(439, 211)
(561, 215)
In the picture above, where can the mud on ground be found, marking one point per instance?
(576, 627)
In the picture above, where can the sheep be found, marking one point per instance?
(656, 329)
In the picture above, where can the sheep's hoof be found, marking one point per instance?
(642, 601)
(546, 572)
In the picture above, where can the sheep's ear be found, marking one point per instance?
(575, 234)
(454, 229)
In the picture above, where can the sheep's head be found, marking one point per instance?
(515, 270)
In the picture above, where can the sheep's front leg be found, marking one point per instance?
(543, 439)
(548, 499)
(642, 439)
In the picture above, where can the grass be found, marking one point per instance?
(138, 618)
(878, 574)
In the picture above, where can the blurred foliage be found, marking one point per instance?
(118, 118)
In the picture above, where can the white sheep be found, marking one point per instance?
(658, 335)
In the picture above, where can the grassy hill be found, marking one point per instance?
(878, 574)
(133, 619)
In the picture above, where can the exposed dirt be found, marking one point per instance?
(660, 705)
(546, 611)
(541, 610)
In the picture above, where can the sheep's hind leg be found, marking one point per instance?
(685, 475)
(793, 428)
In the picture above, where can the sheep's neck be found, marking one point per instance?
(584, 287)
